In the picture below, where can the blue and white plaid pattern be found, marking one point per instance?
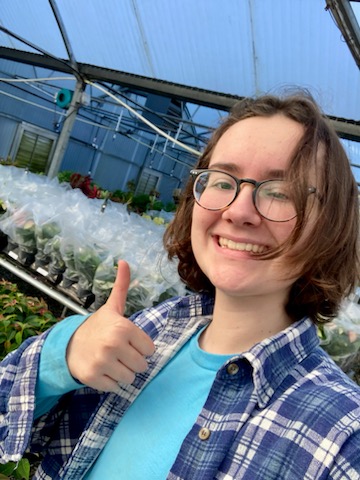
(288, 412)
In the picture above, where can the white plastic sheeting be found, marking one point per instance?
(241, 47)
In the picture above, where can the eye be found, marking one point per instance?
(276, 191)
(221, 183)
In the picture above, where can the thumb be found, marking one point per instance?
(117, 298)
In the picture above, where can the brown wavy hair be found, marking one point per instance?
(329, 255)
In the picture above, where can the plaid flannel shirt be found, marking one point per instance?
(282, 410)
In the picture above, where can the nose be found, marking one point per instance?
(242, 210)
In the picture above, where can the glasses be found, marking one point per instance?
(216, 190)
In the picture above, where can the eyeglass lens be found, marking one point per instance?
(217, 190)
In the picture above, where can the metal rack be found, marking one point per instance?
(37, 278)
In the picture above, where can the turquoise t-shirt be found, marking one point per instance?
(148, 438)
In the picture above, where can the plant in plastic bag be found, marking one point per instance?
(338, 342)
(103, 281)
(341, 339)
(53, 249)
(87, 259)
(137, 298)
(148, 288)
(44, 233)
(71, 274)
(24, 236)
(24, 232)
(19, 226)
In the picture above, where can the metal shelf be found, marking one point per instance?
(33, 279)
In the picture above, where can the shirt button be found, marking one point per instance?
(232, 369)
(204, 433)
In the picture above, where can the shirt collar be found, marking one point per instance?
(271, 359)
(274, 358)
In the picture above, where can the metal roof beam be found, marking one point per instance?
(64, 34)
(348, 25)
(346, 128)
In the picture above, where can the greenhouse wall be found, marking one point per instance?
(112, 158)
(21, 105)
(122, 171)
(7, 132)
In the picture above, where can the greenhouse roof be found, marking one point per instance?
(204, 51)
(236, 47)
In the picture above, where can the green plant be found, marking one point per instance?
(6, 161)
(343, 345)
(120, 196)
(140, 203)
(170, 207)
(24, 233)
(45, 232)
(21, 317)
(87, 260)
(64, 176)
(18, 471)
(131, 185)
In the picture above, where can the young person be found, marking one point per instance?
(228, 382)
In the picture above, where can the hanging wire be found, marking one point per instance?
(125, 105)
(145, 120)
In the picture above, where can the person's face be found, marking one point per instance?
(224, 241)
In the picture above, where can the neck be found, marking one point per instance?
(239, 323)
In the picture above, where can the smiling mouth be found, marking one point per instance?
(240, 246)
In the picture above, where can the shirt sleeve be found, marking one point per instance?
(54, 378)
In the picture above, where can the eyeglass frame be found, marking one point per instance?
(239, 181)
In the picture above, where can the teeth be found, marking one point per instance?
(243, 247)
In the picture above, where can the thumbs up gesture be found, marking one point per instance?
(107, 348)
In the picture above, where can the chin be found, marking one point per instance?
(230, 287)
(232, 278)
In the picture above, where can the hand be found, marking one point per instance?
(107, 348)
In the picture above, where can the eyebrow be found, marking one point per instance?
(233, 168)
(277, 173)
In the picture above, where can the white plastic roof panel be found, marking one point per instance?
(240, 47)
(34, 22)
(295, 46)
(188, 42)
(356, 9)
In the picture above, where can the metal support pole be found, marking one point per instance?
(64, 136)
(348, 25)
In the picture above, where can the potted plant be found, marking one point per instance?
(43, 234)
